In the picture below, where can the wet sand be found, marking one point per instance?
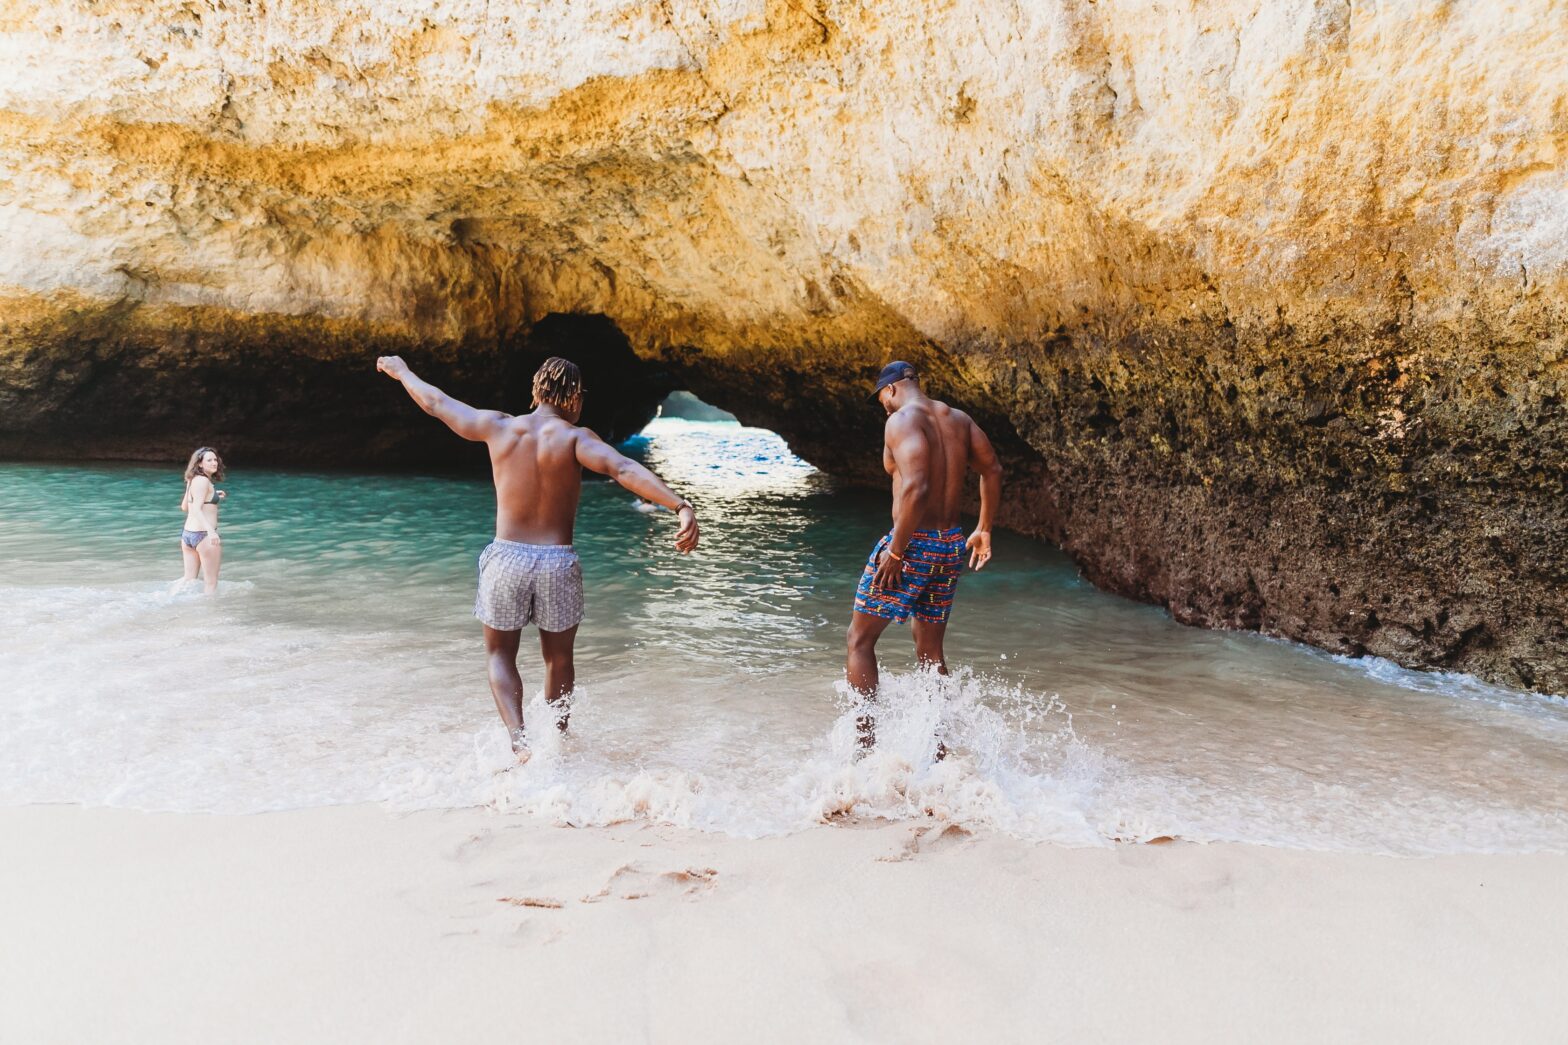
(352, 924)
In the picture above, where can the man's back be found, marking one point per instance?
(538, 480)
(946, 434)
(530, 574)
(928, 448)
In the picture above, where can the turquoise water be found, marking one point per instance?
(340, 663)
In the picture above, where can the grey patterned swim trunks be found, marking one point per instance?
(522, 584)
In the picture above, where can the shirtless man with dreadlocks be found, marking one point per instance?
(529, 574)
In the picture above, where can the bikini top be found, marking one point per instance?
(212, 494)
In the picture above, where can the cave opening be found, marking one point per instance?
(621, 392)
(684, 405)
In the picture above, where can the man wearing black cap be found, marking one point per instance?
(928, 448)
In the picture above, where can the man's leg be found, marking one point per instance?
(928, 652)
(560, 675)
(860, 668)
(928, 644)
(506, 685)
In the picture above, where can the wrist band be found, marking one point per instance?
(895, 554)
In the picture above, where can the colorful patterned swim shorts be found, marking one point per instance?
(521, 584)
(932, 562)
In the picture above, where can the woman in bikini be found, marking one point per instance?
(199, 542)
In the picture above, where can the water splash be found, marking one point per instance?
(340, 665)
(1013, 765)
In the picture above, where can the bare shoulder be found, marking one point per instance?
(555, 432)
(908, 430)
(503, 425)
(900, 421)
(584, 440)
(896, 430)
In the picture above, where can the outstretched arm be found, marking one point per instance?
(466, 421)
(911, 456)
(596, 455)
(982, 460)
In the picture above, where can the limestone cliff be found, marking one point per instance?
(1263, 301)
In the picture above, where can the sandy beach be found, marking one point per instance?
(473, 474)
(353, 924)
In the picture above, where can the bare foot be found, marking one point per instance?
(865, 735)
(520, 747)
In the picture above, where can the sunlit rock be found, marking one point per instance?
(1264, 302)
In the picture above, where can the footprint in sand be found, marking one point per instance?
(469, 848)
(531, 901)
(926, 840)
(534, 932)
(631, 882)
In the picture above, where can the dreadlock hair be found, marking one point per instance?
(558, 382)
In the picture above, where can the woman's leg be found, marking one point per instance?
(191, 559)
(210, 551)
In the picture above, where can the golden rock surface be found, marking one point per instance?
(1265, 301)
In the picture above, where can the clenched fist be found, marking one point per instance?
(393, 367)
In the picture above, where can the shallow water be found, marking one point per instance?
(340, 664)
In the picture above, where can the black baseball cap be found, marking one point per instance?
(897, 370)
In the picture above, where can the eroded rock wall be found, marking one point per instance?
(1264, 302)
